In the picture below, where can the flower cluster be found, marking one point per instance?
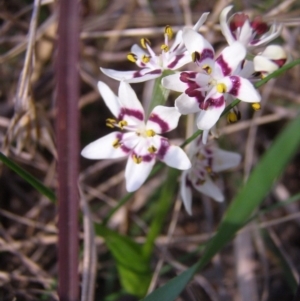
(214, 82)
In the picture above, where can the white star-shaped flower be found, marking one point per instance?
(139, 140)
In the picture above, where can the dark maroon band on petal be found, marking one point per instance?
(259, 26)
(175, 62)
(236, 84)
(124, 148)
(164, 146)
(206, 54)
(130, 112)
(148, 158)
(212, 102)
(279, 62)
(161, 123)
(224, 66)
(140, 74)
(186, 77)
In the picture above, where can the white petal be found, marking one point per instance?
(136, 174)
(163, 119)
(110, 99)
(132, 76)
(176, 157)
(210, 189)
(241, 88)
(187, 105)
(195, 42)
(207, 119)
(186, 192)
(224, 25)
(200, 22)
(231, 57)
(246, 33)
(177, 41)
(263, 64)
(173, 82)
(223, 160)
(128, 98)
(273, 33)
(103, 148)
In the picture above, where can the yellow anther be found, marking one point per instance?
(195, 56)
(137, 159)
(145, 42)
(200, 182)
(146, 59)
(122, 123)
(256, 106)
(169, 31)
(150, 133)
(132, 57)
(116, 143)
(200, 156)
(110, 122)
(232, 117)
(207, 69)
(152, 149)
(164, 47)
(208, 169)
(221, 88)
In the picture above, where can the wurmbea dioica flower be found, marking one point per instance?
(206, 91)
(271, 59)
(207, 160)
(139, 140)
(152, 65)
(250, 33)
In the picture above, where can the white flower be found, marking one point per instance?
(141, 142)
(152, 65)
(271, 59)
(250, 33)
(207, 160)
(206, 91)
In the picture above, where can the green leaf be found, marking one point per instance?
(247, 200)
(35, 183)
(133, 266)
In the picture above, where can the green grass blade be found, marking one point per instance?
(250, 196)
(35, 183)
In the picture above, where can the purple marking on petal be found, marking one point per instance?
(259, 26)
(174, 63)
(139, 73)
(236, 84)
(192, 90)
(206, 54)
(188, 182)
(279, 62)
(164, 146)
(130, 112)
(162, 124)
(212, 102)
(224, 66)
(147, 158)
(124, 148)
(237, 21)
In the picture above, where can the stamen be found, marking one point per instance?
(152, 149)
(200, 156)
(208, 169)
(200, 182)
(132, 57)
(169, 31)
(150, 133)
(146, 59)
(233, 117)
(122, 123)
(207, 69)
(145, 42)
(256, 106)
(137, 159)
(221, 88)
(116, 143)
(196, 56)
(110, 122)
(164, 47)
